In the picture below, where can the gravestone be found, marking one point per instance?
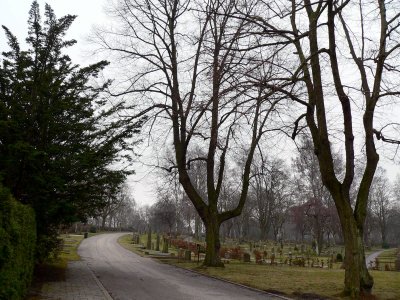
(188, 255)
(158, 242)
(148, 246)
(181, 253)
(165, 245)
(272, 258)
(397, 263)
(246, 257)
(134, 238)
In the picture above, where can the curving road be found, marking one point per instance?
(370, 259)
(126, 275)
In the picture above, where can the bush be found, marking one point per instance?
(17, 246)
(339, 257)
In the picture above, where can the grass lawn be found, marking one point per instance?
(70, 247)
(297, 281)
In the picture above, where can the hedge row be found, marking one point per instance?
(17, 246)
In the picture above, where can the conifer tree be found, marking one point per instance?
(59, 136)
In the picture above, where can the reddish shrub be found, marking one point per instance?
(236, 253)
(258, 256)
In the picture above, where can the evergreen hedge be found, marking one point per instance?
(17, 246)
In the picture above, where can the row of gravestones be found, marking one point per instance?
(184, 254)
(259, 245)
(150, 245)
(387, 266)
(303, 249)
(299, 261)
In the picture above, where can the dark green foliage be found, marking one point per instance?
(339, 257)
(17, 246)
(59, 134)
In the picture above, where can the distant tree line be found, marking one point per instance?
(286, 202)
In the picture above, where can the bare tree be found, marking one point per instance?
(269, 185)
(314, 200)
(346, 53)
(115, 199)
(380, 197)
(164, 213)
(189, 70)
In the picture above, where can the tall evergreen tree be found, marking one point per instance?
(59, 136)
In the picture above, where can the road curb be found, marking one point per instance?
(99, 284)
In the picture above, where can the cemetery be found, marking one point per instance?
(289, 268)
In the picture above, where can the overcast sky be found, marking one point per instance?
(14, 15)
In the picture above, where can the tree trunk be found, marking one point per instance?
(103, 222)
(263, 230)
(197, 227)
(383, 233)
(357, 281)
(212, 258)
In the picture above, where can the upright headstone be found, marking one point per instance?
(165, 245)
(397, 263)
(133, 238)
(246, 257)
(272, 258)
(149, 239)
(158, 242)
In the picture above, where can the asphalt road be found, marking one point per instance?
(126, 275)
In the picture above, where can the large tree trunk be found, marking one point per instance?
(357, 280)
(212, 258)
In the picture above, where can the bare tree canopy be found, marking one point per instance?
(326, 38)
(190, 72)
(221, 74)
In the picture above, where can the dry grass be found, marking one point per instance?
(297, 281)
(70, 247)
(389, 255)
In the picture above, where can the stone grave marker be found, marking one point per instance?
(246, 257)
